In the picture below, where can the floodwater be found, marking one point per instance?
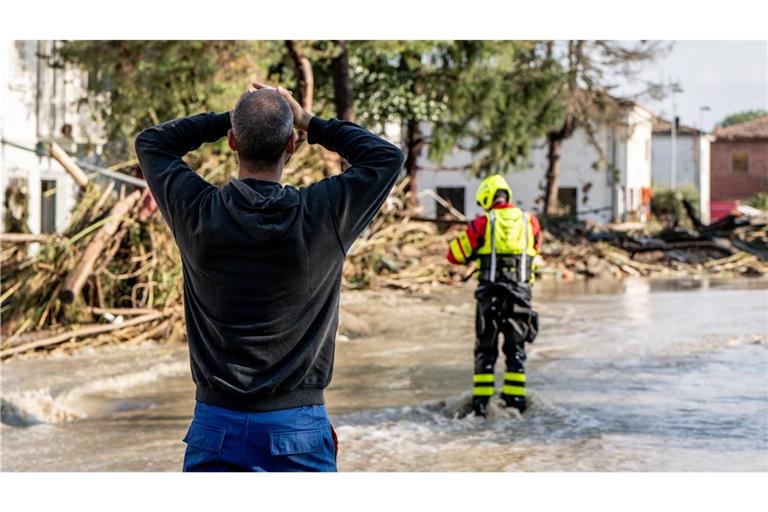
(625, 376)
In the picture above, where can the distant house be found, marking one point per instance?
(39, 103)
(599, 189)
(692, 155)
(739, 163)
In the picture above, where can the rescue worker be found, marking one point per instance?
(504, 241)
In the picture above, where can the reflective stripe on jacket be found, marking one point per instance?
(467, 245)
(510, 237)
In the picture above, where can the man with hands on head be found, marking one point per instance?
(262, 274)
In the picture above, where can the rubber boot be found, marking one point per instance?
(518, 402)
(480, 405)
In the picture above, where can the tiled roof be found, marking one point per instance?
(754, 129)
(662, 126)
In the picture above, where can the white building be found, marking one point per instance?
(39, 103)
(611, 192)
(691, 167)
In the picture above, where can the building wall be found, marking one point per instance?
(728, 185)
(36, 101)
(593, 187)
(637, 175)
(688, 158)
(599, 197)
(18, 121)
(705, 178)
(693, 153)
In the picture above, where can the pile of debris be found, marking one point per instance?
(402, 250)
(115, 275)
(735, 244)
(112, 276)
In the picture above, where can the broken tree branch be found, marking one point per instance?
(24, 238)
(69, 165)
(79, 333)
(77, 278)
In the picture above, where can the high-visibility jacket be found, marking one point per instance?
(510, 240)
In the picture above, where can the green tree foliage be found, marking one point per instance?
(140, 83)
(760, 201)
(487, 97)
(491, 98)
(589, 74)
(667, 204)
(500, 96)
(741, 117)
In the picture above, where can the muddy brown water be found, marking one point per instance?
(635, 375)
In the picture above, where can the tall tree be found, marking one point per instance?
(490, 98)
(588, 74)
(305, 75)
(343, 95)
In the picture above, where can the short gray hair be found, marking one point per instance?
(262, 123)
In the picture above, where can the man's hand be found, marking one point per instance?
(301, 117)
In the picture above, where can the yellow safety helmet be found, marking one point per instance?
(488, 188)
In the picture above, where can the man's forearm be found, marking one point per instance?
(173, 184)
(180, 136)
(355, 144)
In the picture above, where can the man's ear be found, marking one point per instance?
(231, 140)
(290, 148)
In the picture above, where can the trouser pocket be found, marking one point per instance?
(204, 446)
(303, 450)
(205, 437)
(295, 442)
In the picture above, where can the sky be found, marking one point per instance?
(726, 76)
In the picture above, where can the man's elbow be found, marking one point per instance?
(144, 139)
(395, 158)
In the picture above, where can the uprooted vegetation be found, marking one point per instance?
(114, 274)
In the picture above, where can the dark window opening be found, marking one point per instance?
(740, 162)
(566, 198)
(48, 206)
(454, 196)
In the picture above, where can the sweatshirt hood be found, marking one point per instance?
(264, 210)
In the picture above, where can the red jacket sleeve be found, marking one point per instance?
(537, 235)
(462, 248)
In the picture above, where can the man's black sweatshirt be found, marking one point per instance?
(262, 262)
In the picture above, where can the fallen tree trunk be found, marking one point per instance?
(77, 278)
(24, 238)
(69, 165)
(718, 244)
(122, 311)
(79, 333)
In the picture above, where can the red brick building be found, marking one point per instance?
(739, 160)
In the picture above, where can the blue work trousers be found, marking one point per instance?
(297, 439)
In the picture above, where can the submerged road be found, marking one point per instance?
(635, 376)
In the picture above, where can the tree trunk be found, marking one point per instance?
(306, 83)
(555, 140)
(344, 102)
(414, 141)
(554, 146)
(306, 78)
(342, 86)
(77, 278)
(90, 330)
